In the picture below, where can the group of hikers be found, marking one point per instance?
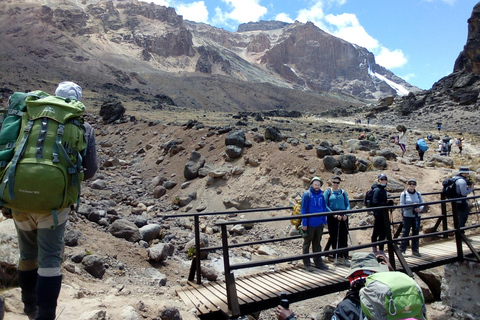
(334, 199)
(421, 146)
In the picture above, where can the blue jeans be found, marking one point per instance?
(412, 223)
(463, 211)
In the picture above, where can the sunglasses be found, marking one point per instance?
(383, 179)
(412, 184)
(335, 182)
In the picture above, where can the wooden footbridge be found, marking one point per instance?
(235, 296)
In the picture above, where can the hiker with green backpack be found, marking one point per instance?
(52, 152)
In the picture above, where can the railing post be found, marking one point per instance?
(197, 249)
(458, 232)
(444, 214)
(232, 298)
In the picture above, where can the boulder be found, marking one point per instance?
(193, 165)
(235, 138)
(125, 229)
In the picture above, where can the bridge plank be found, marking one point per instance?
(243, 295)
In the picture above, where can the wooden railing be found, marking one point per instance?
(390, 241)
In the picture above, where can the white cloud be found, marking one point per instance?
(313, 14)
(450, 2)
(245, 10)
(348, 28)
(284, 17)
(195, 11)
(391, 59)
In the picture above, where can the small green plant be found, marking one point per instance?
(88, 252)
(191, 252)
(176, 200)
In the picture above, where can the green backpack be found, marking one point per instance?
(45, 172)
(392, 296)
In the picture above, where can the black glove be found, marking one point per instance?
(390, 203)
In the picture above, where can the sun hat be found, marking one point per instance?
(464, 170)
(316, 179)
(68, 89)
(365, 261)
(382, 175)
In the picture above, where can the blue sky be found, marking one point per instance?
(418, 40)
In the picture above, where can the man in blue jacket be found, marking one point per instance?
(313, 202)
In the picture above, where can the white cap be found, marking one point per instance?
(68, 89)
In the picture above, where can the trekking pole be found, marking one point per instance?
(476, 203)
(338, 236)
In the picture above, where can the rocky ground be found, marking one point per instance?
(141, 178)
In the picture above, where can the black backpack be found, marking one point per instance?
(368, 201)
(449, 190)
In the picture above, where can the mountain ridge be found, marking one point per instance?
(150, 49)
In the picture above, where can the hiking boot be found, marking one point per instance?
(346, 262)
(416, 253)
(309, 268)
(322, 266)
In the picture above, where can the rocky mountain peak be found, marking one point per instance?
(469, 58)
(261, 25)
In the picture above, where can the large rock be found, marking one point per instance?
(330, 162)
(94, 265)
(363, 145)
(112, 110)
(273, 134)
(125, 229)
(160, 252)
(348, 163)
(193, 165)
(235, 138)
(233, 151)
(150, 232)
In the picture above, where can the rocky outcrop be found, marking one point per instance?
(261, 26)
(469, 58)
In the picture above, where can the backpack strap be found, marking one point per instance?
(10, 175)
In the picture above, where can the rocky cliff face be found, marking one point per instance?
(137, 48)
(454, 99)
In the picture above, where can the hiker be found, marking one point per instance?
(430, 137)
(464, 186)
(402, 142)
(420, 147)
(363, 264)
(336, 199)
(459, 144)
(445, 147)
(40, 238)
(411, 215)
(379, 200)
(313, 202)
(439, 127)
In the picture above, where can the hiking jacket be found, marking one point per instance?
(410, 198)
(336, 200)
(313, 202)
(379, 197)
(349, 308)
(89, 161)
(461, 187)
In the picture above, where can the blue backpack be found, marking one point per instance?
(422, 145)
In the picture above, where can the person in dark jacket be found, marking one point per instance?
(363, 265)
(41, 238)
(313, 202)
(380, 200)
